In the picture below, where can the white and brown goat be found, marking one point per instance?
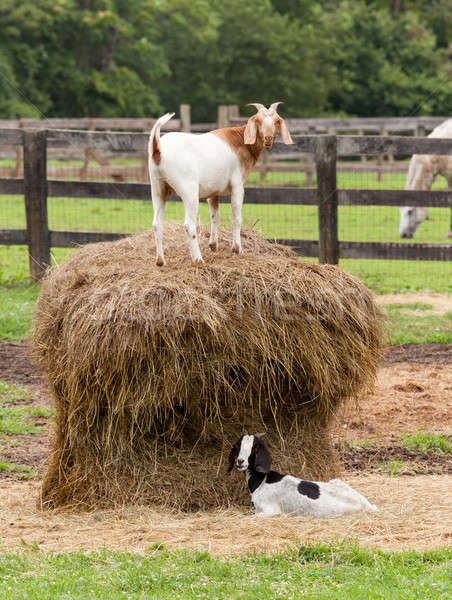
(203, 166)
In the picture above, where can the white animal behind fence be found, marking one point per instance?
(203, 166)
(422, 172)
(275, 494)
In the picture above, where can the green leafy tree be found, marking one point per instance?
(142, 57)
(254, 55)
(83, 58)
(384, 66)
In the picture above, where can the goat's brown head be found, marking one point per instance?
(264, 125)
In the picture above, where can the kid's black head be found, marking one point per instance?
(250, 453)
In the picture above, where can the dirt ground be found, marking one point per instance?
(440, 303)
(413, 392)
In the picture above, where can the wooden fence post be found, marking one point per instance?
(420, 130)
(381, 157)
(233, 111)
(35, 190)
(309, 160)
(19, 155)
(185, 117)
(325, 160)
(222, 116)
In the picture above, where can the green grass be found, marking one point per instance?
(16, 417)
(334, 572)
(19, 471)
(356, 223)
(435, 443)
(17, 303)
(12, 394)
(411, 306)
(354, 180)
(406, 327)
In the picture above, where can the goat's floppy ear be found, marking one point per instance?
(233, 456)
(285, 135)
(250, 131)
(263, 460)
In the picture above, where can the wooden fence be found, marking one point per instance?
(226, 115)
(36, 188)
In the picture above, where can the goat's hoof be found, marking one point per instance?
(449, 235)
(160, 261)
(237, 249)
(213, 246)
(198, 261)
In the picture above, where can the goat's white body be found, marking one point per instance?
(422, 171)
(283, 497)
(203, 161)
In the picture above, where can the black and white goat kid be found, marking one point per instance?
(274, 494)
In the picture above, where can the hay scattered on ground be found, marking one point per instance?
(414, 514)
(156, 371)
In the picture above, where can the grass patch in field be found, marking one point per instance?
(410, 306)
(18, 471)
(11, 394)
(398, 276)
(407, 328)
(15, 417)
(17, 303)
(436, 443)
(338, 572)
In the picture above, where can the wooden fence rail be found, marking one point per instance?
(36, 188)
(226, 115)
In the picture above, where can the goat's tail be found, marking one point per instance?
(154, 138)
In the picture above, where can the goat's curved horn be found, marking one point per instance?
(259, 435)
(257, 105)
(274, 106)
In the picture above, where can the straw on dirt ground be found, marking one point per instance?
(414, 514)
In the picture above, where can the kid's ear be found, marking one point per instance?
(263, 460)
(250, 131)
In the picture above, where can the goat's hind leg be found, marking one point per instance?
(214, 209)
(158, 202)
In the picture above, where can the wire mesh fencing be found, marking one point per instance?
(291, 221)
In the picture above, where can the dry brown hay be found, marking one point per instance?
(156, 371)
(414, 514)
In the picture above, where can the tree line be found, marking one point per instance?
(139, 58)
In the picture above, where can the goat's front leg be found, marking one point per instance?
(158, 202)
(237, 194)
(191, 203)
(214, 209)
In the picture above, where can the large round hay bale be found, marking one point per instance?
(156, 371)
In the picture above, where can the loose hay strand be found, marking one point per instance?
(155, 371)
